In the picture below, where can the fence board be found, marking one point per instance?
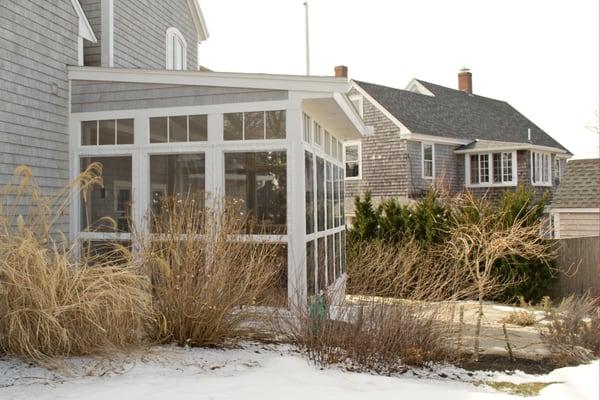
(578, 263)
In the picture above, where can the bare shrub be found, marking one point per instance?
(205, 278)
(571, 331)
(51, 304)
(376, 335)
(520, 318)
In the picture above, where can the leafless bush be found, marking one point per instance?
(376, 335)
(205, 278)
(571, 331)
(52, 305)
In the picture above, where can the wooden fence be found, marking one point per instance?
(578, 263)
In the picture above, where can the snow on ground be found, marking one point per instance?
(257, 371)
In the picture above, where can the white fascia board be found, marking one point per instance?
(508, 147)
(85, 29)
(419, 137)
(382, 109)
(202, 78)
(346, 105)
(199, 21)
(574, 210)
(414, 83)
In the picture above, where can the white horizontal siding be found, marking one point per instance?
(579, 224)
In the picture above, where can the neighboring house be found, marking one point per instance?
(117, 82)
(574, 210)
(428, 134)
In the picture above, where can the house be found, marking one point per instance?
(428, 134)
(117, 82)
(574, 210)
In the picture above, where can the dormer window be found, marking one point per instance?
(176, 50)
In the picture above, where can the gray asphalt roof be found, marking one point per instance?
(579, 185)
(455, 114)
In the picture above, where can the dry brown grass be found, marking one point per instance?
(51, 304)
(520, 318)
(572, 330)
(205, 280)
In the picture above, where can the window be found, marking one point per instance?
(310, 268)
(557, 170)
(184, 128)
(427, 158)
(340, 151)
(306, 124)
(254, 125)
(321, 267)
(318, 134)
(330, 261)
(176, 50)
(489, 169)
(309, 189)
(108, 208)
(327, 143)
(258, 180)
(329, 181)
(540, 169)
(107, 132)
(357, 102)
(334, 148)
(320, 194)
(352, 159)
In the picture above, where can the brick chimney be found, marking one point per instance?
(341, 71)
(465, 80)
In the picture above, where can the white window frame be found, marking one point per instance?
(318, 137)
(306, 128)
(491, 182)
(360, 100)
(537, 161)
(423, 144)
(171, 35)
(353, 143)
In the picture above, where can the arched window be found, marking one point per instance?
(176, 50)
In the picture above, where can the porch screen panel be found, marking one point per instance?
(258, 181)
(309, 186)
(310, 268)
(320, 194)
(330, 260)
(329, 181)
(321, 266)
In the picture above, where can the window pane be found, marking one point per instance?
(198, 128)
(158, 130)
(320, 194)
(275, 124)
(108, 208)
(321, 267)
(497, 167)
(334, 147)
(507, 167)
(259, 181)
(310, 268)
(309, 183)
(340, 151)
(336, 197)
(474, 161)
(329, 196)
(327, 143)
(125, 131)
(330, 261)
(343, 250)
(176, 176)
(107, 132)
(427, 160)
(232, 126)
(254, 125)
(178, 129)
(427, 152)
(338, 258)
(352, 161)
(342, 197)
(484, 168)
(318, 133)
(89, 130)
(306, 128)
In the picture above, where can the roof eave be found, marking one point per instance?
(199, 21)
(507, 147)
(85, 29)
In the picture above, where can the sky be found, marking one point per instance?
(541, 56)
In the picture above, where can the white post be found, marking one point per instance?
(307, 38)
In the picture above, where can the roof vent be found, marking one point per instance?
(465, 80)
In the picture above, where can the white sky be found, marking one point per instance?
(539, 55)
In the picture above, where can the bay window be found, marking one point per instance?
(540, 169)
(491, 169)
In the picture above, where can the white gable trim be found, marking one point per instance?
(198, 19)
(434, 139)
(417, 87)
(85, 29)
(384, 111)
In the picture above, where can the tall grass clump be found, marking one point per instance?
(206, 280)
(53, 303)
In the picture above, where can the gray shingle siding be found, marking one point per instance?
(37, 42)
(446, 168)
(92, 51)
(104, 96)
(140, 28)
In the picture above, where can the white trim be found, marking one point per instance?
(423, 144)
(419, 137)
(541, 183)
(417, 87)
(574, 210)
(107, 33)
(382, 109)
(360, 161)
(198, 19)
(171, 34)
(360, 99)
(515, 146)
(80, 51)
(85, 29)
(346, 105)
(491, 183)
